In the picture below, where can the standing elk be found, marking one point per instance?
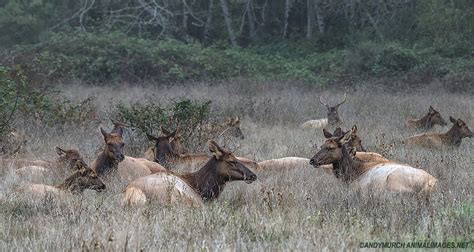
(83, 178)
(112, 160)
(167, 156)
(391, 177)
(332, 119)
(190, 189)
(428, 121)
(453, 137)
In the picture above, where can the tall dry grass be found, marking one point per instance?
(299, 209)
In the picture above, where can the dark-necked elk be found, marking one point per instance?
(113, 161)
(332, 119)
(354, 141)
(453, 137)
(167, 156)
(391, 177)
(299, 162)
(175, 142)
(83, 178)
(428, 121)
(190, 189)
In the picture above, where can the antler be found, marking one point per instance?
(321, 101)
(345, 96)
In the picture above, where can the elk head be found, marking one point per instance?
(461, 128)
(435, 117)
(229, 168)
(333, 111)
(114, 144)
(232, 127)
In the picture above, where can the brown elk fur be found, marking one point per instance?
(83, 178)
(432, 118)
(190, 188)
(453, 137)
(113, 161)
(167, 156)
(384, 176)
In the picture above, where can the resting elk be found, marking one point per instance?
(167, 156)
(175, 142)
(190, 189)
(298, 162)
(113, 161)
(64, 162)
(391, 177)
(83, 178)
(230, 128)
(428, 121)
(453, 137)
(355, 141)
(332, 120)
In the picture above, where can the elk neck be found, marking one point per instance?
(206, 181)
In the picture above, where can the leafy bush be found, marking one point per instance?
(185, 114)
(19, 98)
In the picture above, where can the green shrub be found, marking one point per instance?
(185, 114)
(19, 99)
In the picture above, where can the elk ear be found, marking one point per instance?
(327, 134)
(452, 119)
(338, 132)
(104, 133)
(171, 136)
(344, 138)
(215, 149)
(353, 151)
(236, 120)
(151, 138)
(60, 151)
(165, 131)
(431, 110)
(81, 166)
(460, 123)
(354, 129)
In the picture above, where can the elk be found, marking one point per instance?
(64, 162)
(230, 128)
(190, 189)
(112, 160)
(453, 137)
(175, 143)
(428, 121)
(167, 156)
(332, 119)
(391, 177)
(355, 141)
(298, 162)
(83, 178)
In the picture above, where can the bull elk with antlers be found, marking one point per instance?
(332, 120)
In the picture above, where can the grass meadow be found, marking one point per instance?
(296, 209)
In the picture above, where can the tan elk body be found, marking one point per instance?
(189, 189)
(453, 137)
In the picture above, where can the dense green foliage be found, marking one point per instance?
(314, 41)
(185, 114)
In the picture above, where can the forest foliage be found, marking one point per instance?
(316, 41)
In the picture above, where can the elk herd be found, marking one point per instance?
(153, 179)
